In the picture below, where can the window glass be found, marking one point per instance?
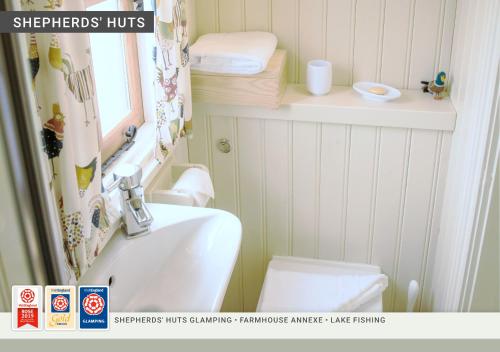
(109, 61)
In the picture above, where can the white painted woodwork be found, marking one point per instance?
(344, 106)
(308, 181)
(475, 80)
(398, 42)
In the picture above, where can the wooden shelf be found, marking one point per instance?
(264, 89)
(344, 106)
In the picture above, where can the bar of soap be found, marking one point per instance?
(378, 90)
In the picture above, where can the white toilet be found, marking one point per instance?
(295, 284)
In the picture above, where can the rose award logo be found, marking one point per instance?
(93, 304)
(27, 307)
(60, 303)
(27, 295)
(94, 307)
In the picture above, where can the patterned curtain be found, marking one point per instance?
(63, 85)
(172, 84)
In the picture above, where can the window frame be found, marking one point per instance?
(115, 138)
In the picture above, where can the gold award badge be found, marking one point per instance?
(60, 308)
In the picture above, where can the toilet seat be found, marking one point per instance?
(290, 281)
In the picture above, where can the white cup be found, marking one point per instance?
(319, 77)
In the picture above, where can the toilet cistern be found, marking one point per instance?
(136, 216)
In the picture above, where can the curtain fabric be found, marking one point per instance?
(173, 82)
(64, 89)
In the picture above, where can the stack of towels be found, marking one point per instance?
(242, 53)
(320, 292)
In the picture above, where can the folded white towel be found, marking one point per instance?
(292, 291)
(235, 53)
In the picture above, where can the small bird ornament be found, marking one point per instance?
(435, 87)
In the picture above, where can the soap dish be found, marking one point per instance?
(386, 93)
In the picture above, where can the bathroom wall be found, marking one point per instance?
(368, 194)
(475, 83)
(398, 42)
(487, 291)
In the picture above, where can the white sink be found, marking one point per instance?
(183, 265)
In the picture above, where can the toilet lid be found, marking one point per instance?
(311, 287)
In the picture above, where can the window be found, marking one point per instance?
(117, 79)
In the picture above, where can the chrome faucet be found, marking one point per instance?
(136, 216)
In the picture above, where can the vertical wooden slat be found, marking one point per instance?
(398, 42)
(257, 15)
(311, 34)
(418, 202)
(333, 148)
(251, 201)
(360, 187)
(447, 36)
(339, 33)
(389, 192)
(231, 16)
(426, 296)
(286, 29)
(225, 180)
(366, 40)
(277, 171)
(206, 16)
(305, 181)
(425, 37)
(395, 42)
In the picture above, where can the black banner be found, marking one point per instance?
(76, 21)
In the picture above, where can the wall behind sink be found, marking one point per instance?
(332, 191)
(398, 42)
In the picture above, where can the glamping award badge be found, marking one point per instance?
(27, 307)
(60, 308)
(94, 307)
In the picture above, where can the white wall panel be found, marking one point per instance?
(341, 192)
(360, 189)
(224, 171)
(425, 41)
(258, 15)
(286, 28)
(312, 17)
(305, 189)
(399, 42)
(252, 207)
(394, 153)
(340, 39)
(333, 185)
(231, 15)
(366, 46)
(426, 301)
(206, 13)
(278, 179)
(417, 212)
(397, 30)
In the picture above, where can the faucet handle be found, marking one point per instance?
(127, 176)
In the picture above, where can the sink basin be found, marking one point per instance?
(183, 265)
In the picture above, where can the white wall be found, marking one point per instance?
(322, 190)
(487, 291)
(475, 83)
(398, 42)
